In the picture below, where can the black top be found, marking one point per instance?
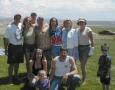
(104, 65)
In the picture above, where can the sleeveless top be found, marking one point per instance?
(29, 36)
(36, 70)
(62, 67)
(42, 39)
(84, 37)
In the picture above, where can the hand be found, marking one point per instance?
(65, 77)
(91, 51)
(6, 52)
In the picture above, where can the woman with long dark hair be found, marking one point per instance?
(55, 37)
(38, 62)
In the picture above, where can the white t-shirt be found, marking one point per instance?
(14, 34)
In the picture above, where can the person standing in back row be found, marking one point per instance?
(70, 39)
(29, 41)
(42, 39)
(13, 42)
(85, 40)
(55, 37)
(33, 17)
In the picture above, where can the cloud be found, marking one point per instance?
(58, 8)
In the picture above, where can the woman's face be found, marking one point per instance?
(40, 22)
(28, 22)
(53, 22)
(39, 54)
(82, 24)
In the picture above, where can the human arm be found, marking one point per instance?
(30, 65)
(73, 69)
(6, 41)
(109, 66)
(52, 69)
(99, 63)
(49, 86)
(91, 38)
(44, 64)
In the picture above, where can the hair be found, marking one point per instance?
(38, 50)
(25, 20)
(67, 20)
(53, 18)
(17, 15)
(104, 47)
(42, 71)
(63, 49)
(40, 18)
(33, 14)
(81, 20)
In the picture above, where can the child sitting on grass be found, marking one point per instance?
(40, 82)
(104, 67)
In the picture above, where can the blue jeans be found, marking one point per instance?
(55, 50)
(56, 83)
(73, 52)
(72, 83)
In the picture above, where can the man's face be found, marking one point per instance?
(63, 54)
(17, 19)
(33, 17)
(68, 24)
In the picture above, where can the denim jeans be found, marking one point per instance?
(72, 83)
(55, 50)
(56, 83)
(73, 52)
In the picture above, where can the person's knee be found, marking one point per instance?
(76, 81)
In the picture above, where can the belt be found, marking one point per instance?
(58, 77)
(84, 45)
(14, 45)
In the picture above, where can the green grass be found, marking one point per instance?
(92, 82)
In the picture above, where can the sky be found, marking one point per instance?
(61, 9)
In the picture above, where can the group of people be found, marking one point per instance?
(49, 50)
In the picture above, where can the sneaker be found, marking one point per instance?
(84, 82)
(16, 80)
(10, 80)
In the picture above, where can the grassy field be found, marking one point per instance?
(92, 82)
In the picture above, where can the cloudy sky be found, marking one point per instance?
(73, 9)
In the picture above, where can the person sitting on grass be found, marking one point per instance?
(104, 67)
(63, 71)
(38, 62)
(40, 82)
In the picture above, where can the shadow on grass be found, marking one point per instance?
(21, 77)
